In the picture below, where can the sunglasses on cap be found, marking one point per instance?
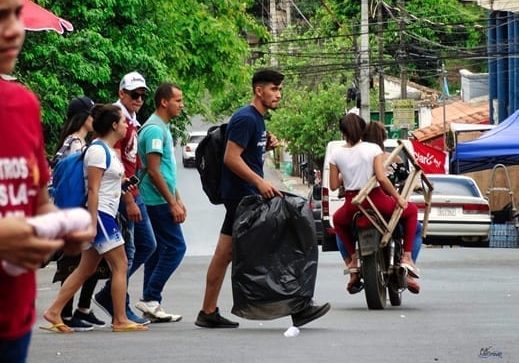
(135, 94)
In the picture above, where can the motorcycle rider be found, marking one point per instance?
(352, 166)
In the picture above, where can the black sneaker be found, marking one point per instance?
(89, 318)
(310, 313)
(77, 325)
(214, 320)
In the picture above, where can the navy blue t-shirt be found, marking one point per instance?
(247, 129)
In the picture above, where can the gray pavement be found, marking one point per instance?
(468, 304)
(466, 312)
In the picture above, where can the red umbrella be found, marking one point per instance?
(37, 18)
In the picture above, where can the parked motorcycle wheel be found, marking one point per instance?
(374, 280)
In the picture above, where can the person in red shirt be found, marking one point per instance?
(140, 242)
(23, 193)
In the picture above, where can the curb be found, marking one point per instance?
(292, 184)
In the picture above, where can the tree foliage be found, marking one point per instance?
(200, 45)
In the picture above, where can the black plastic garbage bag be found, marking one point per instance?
(274, 257)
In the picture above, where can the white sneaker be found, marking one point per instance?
(153, 310)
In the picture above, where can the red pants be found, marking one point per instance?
(342, 219)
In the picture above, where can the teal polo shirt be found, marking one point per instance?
(155, 137)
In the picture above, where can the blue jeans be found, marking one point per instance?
(15, 351)
(417, 245)
(171, 248)
(139, 240)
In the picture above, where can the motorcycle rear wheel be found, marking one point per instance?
(374, 281)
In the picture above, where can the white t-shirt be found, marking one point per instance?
(356, 163)
(110, 189)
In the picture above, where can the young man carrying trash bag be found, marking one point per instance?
(246, 142)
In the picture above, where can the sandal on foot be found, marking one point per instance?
(411, 270)
(413, 286)
(355, 285)
(59, 328)
(129, 328)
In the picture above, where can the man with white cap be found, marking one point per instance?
(140, 240)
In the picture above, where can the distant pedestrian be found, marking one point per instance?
(135, 222)
(242, 175)
(104, 179)
(163, 202)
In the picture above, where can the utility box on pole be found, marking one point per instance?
(403, 113)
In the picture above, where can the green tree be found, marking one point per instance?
(200, 45)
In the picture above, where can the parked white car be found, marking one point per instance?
(459, 213)
(188, 150)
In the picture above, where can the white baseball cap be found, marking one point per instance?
(131, 81)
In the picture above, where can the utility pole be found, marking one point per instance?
(381, 89)
(364, 62)
(273, 17)
(402, 53)
(288, 9)
(444, 97)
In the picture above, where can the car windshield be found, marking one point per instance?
(195, 139)
(461, 187)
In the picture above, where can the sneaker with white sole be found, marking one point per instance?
(153, 311)
(77, 325)
(89, 318)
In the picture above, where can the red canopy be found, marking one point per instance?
(37, 18)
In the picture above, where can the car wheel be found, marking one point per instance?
(184, 163)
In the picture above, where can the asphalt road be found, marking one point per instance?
(467, 312)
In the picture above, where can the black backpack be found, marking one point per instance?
(209, 161)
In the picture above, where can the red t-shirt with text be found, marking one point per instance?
(23, 172)
(128, 149)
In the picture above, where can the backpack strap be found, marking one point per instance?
(63, 149)
(107, 152)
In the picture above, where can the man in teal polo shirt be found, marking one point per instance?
(159, 191)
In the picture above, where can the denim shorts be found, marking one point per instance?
(108, 234)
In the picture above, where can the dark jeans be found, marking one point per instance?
(15, 351)
(85, 297)
(171, 248)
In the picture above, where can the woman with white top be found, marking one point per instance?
(104, 178)
(74, 138)
(353, 165)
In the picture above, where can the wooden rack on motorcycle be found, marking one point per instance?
(380, 242)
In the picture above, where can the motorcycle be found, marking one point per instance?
(380, 242)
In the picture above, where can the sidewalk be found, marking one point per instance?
(292, 184)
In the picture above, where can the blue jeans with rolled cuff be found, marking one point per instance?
(171, 248)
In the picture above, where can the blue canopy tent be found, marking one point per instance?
(497, 146)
